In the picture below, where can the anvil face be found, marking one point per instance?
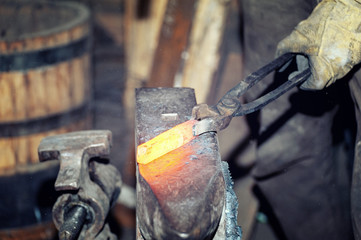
(180, 194)
(166, 142)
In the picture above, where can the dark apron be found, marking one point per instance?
(295, 168)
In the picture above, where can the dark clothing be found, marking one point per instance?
(355, 87)
(295, 167)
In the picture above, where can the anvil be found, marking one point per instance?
(181, 194)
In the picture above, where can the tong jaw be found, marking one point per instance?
(216, 118)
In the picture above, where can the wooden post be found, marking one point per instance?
(143, 21)
(203, 54)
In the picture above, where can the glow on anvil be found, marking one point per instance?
(165, 142)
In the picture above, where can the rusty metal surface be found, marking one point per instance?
(159, 109)
(181, 194)
(90, 185)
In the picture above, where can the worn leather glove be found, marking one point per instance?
(331, 40)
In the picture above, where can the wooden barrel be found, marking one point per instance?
(45, 76)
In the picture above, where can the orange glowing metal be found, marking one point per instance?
(166, 165)
(165, 142)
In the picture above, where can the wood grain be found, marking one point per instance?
(49, 89)
(52, 24)
(44, 231)
(203, 52)
(141, 40)
(172, 42)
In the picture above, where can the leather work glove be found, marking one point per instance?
(330, 38)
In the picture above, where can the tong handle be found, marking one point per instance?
(229, 104)
(269, 97)
(219, 116)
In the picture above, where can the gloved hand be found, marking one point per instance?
(331, 40)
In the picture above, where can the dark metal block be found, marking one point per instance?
(181, 194)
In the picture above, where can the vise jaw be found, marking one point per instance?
(88, 183)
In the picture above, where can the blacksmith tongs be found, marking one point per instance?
(218, 117)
